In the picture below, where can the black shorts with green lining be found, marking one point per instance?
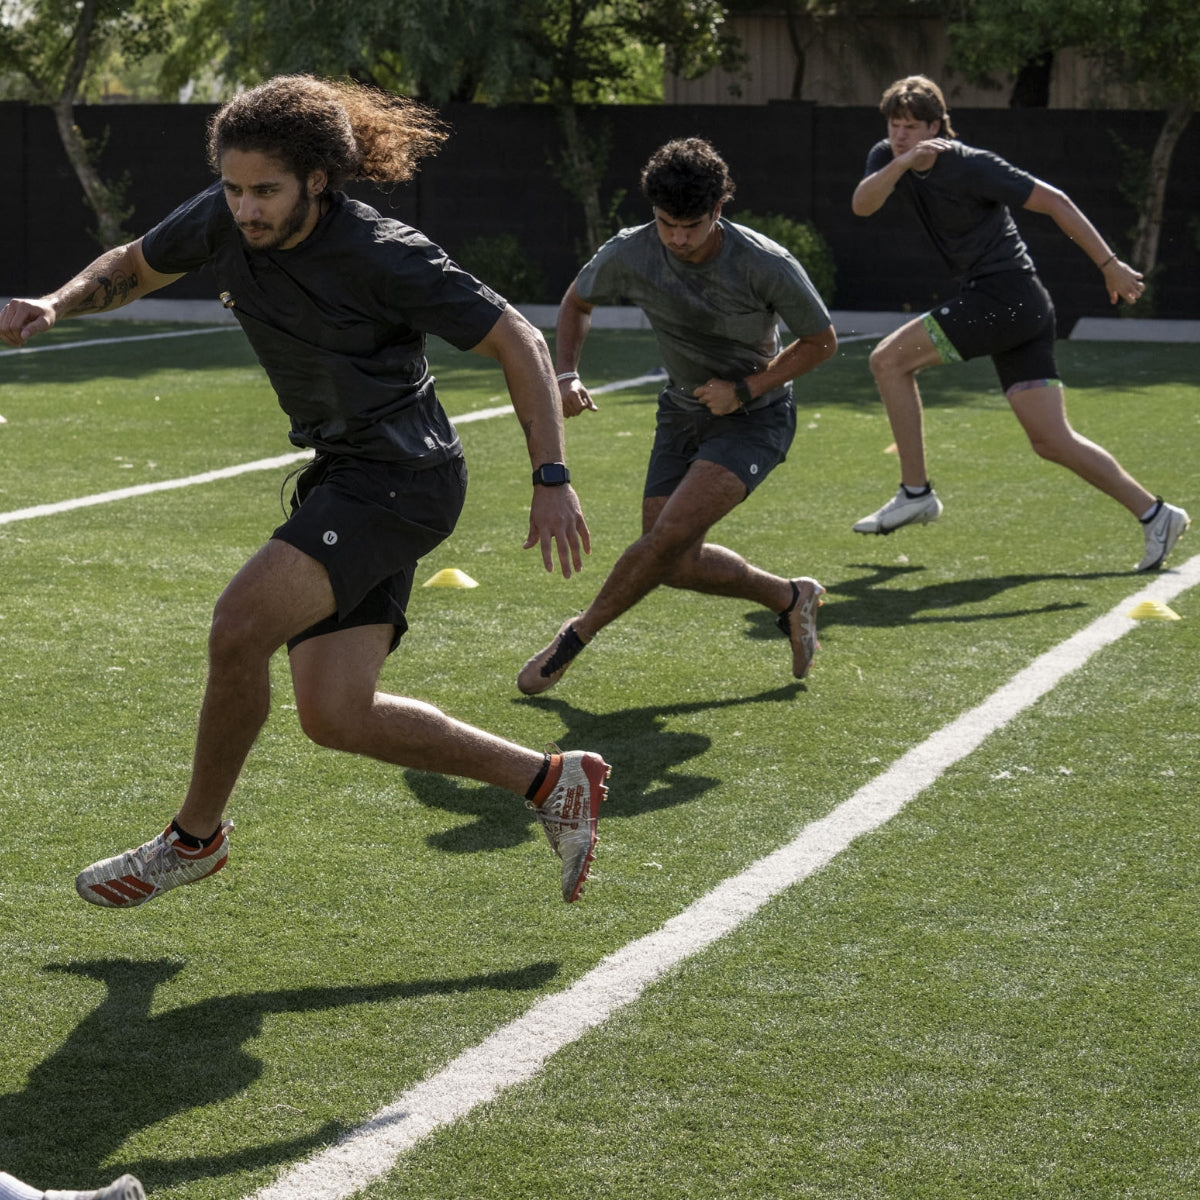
(1009, 317)
(368, 524)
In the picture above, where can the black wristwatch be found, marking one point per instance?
(552, 475)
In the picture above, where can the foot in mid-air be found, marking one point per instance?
(548, 665)
(799, 623)
(1164, 527)
(569, 813)
(129, 879)
(128, 1187)
(902, 509)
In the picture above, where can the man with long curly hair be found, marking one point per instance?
(336, 301)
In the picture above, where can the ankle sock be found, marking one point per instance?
(1152, 511)
(546, 780)
(190, 840)
(913, 493)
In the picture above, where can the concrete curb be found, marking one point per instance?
(847, 324)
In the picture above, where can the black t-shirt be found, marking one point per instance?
(963, 202)
(339, 321)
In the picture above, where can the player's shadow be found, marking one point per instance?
(869, 601)
(649, 762)
(124, 1068)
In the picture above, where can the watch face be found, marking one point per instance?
(550, 474)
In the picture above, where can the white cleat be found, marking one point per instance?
(902, 509)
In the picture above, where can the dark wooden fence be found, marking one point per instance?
(498, 174)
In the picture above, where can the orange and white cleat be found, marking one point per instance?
(163, 863)
(569, 814)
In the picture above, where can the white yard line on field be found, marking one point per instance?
(262, 464)
(137, 337)
(516, 1052)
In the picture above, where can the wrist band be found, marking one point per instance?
(1107, 261)
(742, 391)
(567, 375)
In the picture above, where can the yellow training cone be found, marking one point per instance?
(451, 577)
(1152, 610)
(892, 449)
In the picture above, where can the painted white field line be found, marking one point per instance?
(138, 337)
(518, 1051)
(262, 464)
(145, 489)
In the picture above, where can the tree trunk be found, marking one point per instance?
(104, 200)
(1149, 225)
(582, 172)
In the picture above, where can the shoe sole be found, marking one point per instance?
(805, 612)
(530, 680)
(597, 772)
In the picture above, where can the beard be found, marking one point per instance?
(291, 224)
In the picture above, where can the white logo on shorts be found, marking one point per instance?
(754, 468)
(329, 537)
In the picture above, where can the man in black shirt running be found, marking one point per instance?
(336, 301)
(962, 197)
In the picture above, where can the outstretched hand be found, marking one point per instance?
(575, 398)
(556, 520)
(1122, 281)
(22, 319)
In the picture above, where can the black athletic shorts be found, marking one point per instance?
(368, 523)
(750, 444)
(1008, 316)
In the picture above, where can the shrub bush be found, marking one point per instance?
(805, 242)
(504, 265)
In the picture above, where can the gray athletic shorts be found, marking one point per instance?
(368, 524)
(750, 444)
(1008, 316)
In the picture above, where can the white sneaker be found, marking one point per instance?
(902, 509)
(128, 1187)
(1162, 532)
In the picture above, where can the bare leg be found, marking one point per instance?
(335, 682)
(894, 364)
(278, 593)
(672, 551)
(1043, 415)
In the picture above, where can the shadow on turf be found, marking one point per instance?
(646, 756)
(868, 601)
(124, 1068)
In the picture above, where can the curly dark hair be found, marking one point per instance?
(353, 132)
(920, 99)
(686, 178)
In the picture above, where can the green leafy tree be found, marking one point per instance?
(567, 53)
(47, 50)
(1150, 45)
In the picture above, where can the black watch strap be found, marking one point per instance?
(553, 474)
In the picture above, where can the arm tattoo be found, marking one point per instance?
(107, 291)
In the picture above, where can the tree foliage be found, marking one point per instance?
(1153, 46)
(46, 52)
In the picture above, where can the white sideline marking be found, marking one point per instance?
(138, 337)
(262, 464)
(516, 1052)
(145, 489)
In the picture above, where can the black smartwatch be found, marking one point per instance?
(742, 391)
(552, 475)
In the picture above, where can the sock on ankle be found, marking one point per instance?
(191, 840)
(1152, 511)
(11, 1188)
(549, 781)
(913, 493)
